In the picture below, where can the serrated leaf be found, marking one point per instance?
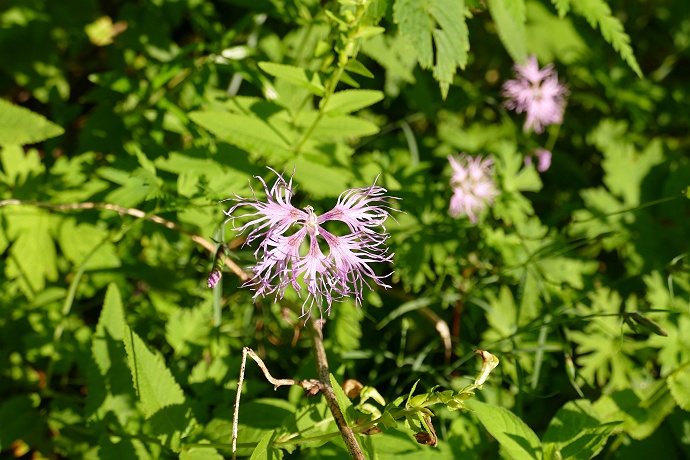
(248, 133)
(161, 398)
(354, 66)
(155, 385)
(20, 126)
(562, 6)
(515, 437)
(679, 385)
(351, 100)
(109, 381)
(509, 17)
(416, 25)
(294, 75)
(598, 14)
(418, 20)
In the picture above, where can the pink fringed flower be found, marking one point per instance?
(538, 93)
(330, 271)
(473, 186)
(543, 159)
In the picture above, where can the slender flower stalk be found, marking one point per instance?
(538, 93)
(473, 186)
(295, 250)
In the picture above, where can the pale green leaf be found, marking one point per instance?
(78, 241)
(598, 14)
(679, 385)
(515, 437)
(509, 17)
(319, 178)
(20, 126)
(188, 327)
(246, 132)
(337, 127)
(562, 6)
(395, 55)
(33, 258)
(351, 100)
(295, 75)
(543, 25)
(200, 453)
(18, 166)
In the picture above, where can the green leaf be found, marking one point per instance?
(679, 385)
(77, 241)
(598, 14)
(351, 100)
(109, 380)
(19, 166)
(418, 20)
(343, 401)
(338, 126)
(188, 327)
(509, 17)
(249, 133)
(416, 25)
(200, 453)
(33, 258)
(162, 400)
(577, 431)
(20, 126)
(348, 328)
(562, 6)
(641, 413)
(264, 451)
(294, 75)
(153, 381)
(515, 437)
(21, 419)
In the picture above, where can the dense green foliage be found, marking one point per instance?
(123, 123)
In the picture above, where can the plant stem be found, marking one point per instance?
(325, 378)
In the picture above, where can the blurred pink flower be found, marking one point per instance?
(543, 159)
(473, 186)
(538, 93)
(342, 270)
